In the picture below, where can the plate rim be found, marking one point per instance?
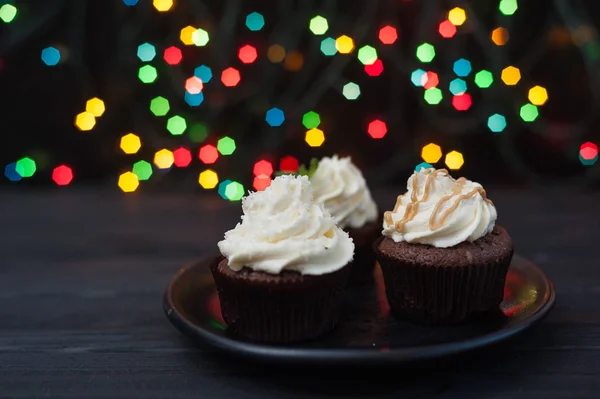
(284, 354)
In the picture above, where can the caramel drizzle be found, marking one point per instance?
(413, 206)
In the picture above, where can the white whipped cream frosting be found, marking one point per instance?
(440, 211)
(283, 228)
(341, 187)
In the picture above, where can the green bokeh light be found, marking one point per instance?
(147, 74)
(226, 145)
(234, 191)
(508, 7)
(176, 125)
(198, 132)
(25, 167)
(318, 25)
(484, 79)
(351, 91)
(367, 55)
(328, 47)
(142, 169)
(200, 37)
(8, 12)
(311, 120)
(159, 106)
(425, 52)
(529, 112)
(433, 96)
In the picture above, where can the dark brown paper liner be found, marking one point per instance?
(445, 294)
(279, 309)
(364, 260)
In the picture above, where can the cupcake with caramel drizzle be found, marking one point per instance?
(443, 257)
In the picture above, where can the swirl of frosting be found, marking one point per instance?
(440, 211)
(341, 187)
(283, 228)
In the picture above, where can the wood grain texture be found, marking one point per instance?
(83, 272)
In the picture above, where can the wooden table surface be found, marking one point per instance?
(83, 272)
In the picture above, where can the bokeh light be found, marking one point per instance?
(163, 159)
(289, 164)
(457, 86)
(193, 85)
(422, 165)
(226, 145)
(508, 7)
(162, 5)
(529, 112)
(275, 117)
(462, 67)
(142, 169)
(417, 76)
(293, 61)
(51, 56)
(318, 25)
(462, 102)
(204, 73)
(457, 16)
(230, 77)
(10, 171)
(484, 79)
(146, 52)
(377, 129)
(95, 106)
(588, 153)
(208, 154)
(454, 160)
(182, 157)
(328, 46)
(198, 132)
(8, 12)
(276, 53)
(85, 121)
(255, 21)
(430, 79)
(344, 44)
(193, 100)
(314, 137)
(425, 52)
(511, 75)
(130, 143)
(176, 125)
(311, 119)
(261, 182)
(147, 74)
(62, 175)
(351, 91)
(222, 187)
(447, 29)
(263, 168)
(128, 182)
(26, 167)
(375, 69)
(247, 54)
(200, 37)
(185, 35)
(367, 55)
(496, 123)
(159, 106)
(234, 191)
(208, 179)
(388, 35)
(172, 55)
(538, 95)
(433, 96)
(500, 36)
(431, 153)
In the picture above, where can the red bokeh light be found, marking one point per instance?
(588, 151)
(261, 182)
(193, 85)
(208, 154)
(289, 164)
(375, 68)
(429, 80)
(247, 54)
(263, 167)
(377, 129)
(182, 157)
(230, 77)
(62, 175)
(172, 55)
(447, 29)
(388, 34)
(462, 102)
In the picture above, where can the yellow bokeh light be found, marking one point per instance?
(457, 16)
(208, 179)
(276, 53)
(130, 143)
(344, 44)
(186, 35)
(163, 5)
(538, 95)
(314, 137)
(511, 75)
(128, 182)
(454, 160)
(85, 121)
(431, 153)
(95, 106)
(500, 36)
(164, 159)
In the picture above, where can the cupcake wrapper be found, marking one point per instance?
(294, 308)
(442, 295)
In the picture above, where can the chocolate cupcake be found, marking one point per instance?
(442, 257)
(285, 266)
(341, 187)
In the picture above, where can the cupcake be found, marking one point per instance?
(442, 257)
(341, 187)
(284, 266)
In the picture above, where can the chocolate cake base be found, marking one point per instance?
(364, 256)
(445, 285)
(279, 308)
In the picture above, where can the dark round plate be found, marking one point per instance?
(367, 333)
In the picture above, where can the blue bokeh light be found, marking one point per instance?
(275, 117)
